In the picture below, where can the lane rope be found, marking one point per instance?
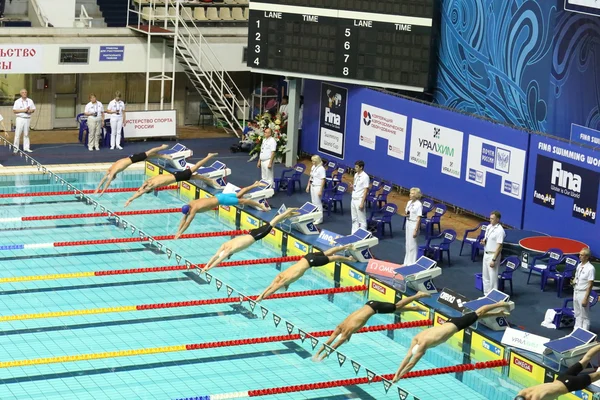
(176, 304)
(352, 381)
(74, 192)
(119, 240)
(143, 270)
(198, 346)
(90, 215)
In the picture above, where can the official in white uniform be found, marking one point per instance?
(316, 183)
(3, 126)
(583, 282)
(95, 113)
(116, 109)
(492, 242)
(267, 156)
(359, 194)
(414, 211)
(23, 108)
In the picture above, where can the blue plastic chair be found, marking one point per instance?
(289, 178)
(510, 265)
(547, 261)
(330, 168)
(336, 197)
(379, 219)
(436, 250)
(469, 241)
(560, 278)
(372, 193)
(382, 197)
(83, 128)
(565, 316)
(428, 223)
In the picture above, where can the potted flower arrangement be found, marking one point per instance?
(278, 126)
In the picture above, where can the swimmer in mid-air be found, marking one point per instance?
(295, 272)
(179, 176)
(437, 335)
(122, 164)
(242, 242)
(224, 199)
(571, 381)
(344, 331)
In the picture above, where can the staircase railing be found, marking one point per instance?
(84, 18)
(39, 15)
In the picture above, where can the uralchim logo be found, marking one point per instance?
(564, 181)
(440, 149)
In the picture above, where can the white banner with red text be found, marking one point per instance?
(19, 59)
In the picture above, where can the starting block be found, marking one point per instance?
(495, 296)
(418, 276)
(260, 194)
(305, 222)
(362, 240)
(174, 159)
(569, 349)
(217, 171)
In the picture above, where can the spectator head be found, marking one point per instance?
(415, 193)
(359, 166)
(268, 132)
(23, 93)
(495, 217)
(117, 95)
(285, 100)
(584, 255)
(316, 160)
(92, 97)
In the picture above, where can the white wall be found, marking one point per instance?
(17, 7)
(60, 13)
(46, 60)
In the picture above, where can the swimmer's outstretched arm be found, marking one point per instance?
(143, 189)
(216, 259)
(277, 284)
(185, 223)
(102, 181)
(337, 331)
(415, 353)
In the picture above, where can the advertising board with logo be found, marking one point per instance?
(585, 135)
(151, 169)
(379, 291)
(484, 349)
(524, 371)
(296, 247)
(187, 190)
(351, 277)
(430, 151)
(487, 157)
(454, 300)
(563, 190)
(456, 341)
(388, 125)
(332, 120)
(227, 213)
(275, 240)
(248, 221)
(431, 139)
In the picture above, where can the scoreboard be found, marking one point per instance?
(384, 43)
(590, 7)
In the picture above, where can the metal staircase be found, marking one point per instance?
(201, 65)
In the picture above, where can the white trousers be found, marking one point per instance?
(95, 127)
(489, 275)
(116, 126)
(359, 217)
(266, 173)
(411, 243)
(315, 198)
(22, 127)
(582, 314)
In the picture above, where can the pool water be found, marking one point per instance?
(173, 373)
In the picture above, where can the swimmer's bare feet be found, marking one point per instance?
(164, 147)
(264, 208)
(423, 294)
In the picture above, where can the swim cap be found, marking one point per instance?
(185, 209)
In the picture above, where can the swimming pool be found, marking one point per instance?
(70, 313)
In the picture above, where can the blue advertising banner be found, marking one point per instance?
(471, 163)
(332, 120)
(562, 193)
(112, 53)
(585, 135)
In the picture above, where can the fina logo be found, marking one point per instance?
(565, 179)
(300, 246)
(367, 118)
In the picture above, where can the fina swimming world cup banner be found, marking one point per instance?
(332, 120)
(563, 190)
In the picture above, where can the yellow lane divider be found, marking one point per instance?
(69, 313)
(46, 277)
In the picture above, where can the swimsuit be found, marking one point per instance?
(227, 199)
(183, 175)
(317, 259)
(464, 321)
(381, 307)
(260, 232)
(138, 157)
(572, 380)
